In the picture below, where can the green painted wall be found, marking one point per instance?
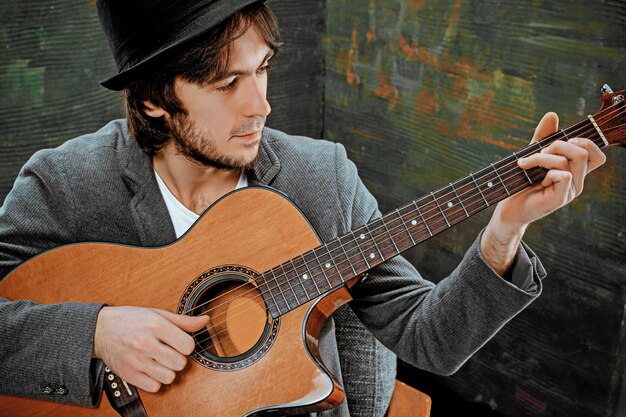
(425, 92)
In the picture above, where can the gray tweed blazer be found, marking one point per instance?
(101, 187)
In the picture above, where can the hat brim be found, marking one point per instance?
(211, 17)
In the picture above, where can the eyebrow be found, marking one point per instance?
(234, 73)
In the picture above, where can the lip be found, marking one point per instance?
(249, 136)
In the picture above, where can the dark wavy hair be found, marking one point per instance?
(201, 61)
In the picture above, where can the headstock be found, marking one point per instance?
(611, 118)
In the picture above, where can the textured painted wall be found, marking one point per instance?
(425, 92)
(53, 53)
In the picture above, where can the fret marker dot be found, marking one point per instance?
(327, 265)
(414, 222)
(305, 276)
(489, 184)
(372, 255)
(450, 204)
(362, 236)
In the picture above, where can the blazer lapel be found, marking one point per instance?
(267, 166)
(151, 217)
(147, 206)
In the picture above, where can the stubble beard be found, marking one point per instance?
(200, 148)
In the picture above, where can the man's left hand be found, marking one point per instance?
(567, 163)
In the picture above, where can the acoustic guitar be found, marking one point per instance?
(254, 264)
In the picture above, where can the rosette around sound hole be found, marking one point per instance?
(240, 328)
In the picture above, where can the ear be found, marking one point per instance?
(154, 111)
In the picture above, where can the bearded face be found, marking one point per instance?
(201, 147)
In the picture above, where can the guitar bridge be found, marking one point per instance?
(124, 398)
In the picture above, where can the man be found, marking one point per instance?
(195, 77)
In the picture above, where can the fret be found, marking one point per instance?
(323, 268)
(491, 191)
(523, 170)
(343, 249)
(276, 303)
(396, 231)
(280, 289)
(375, 247)
(361, 237)
(335, 260)
(312, 274)
(408, 232)
(450, 204)
(565, 134)
(390, 236)
(518, 174)
(295, 296)
(479, 190)
(357, 261)
(459, 198)
(500, 178)
(439, 207)
(297, 275)
(372, 255)
(265, 290)
(422, 217)
(469, 200)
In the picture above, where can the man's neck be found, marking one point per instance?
(194, 185)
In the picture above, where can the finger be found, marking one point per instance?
(544, 160)
(169, 357)
(595, 156)
(157, 372)
(548, 125)
(558, 187)
(143, 381)
(174, 333)
(182, 321)
(577, 158)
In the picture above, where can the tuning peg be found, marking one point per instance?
(606, 89)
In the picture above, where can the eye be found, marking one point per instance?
(228, 87)
(264, 68)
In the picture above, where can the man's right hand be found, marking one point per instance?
(145, 346)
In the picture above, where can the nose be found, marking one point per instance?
(256, 103)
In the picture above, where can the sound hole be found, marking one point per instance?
(239, 321)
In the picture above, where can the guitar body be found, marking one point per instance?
(252, 229)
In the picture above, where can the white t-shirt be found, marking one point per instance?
(181, 216)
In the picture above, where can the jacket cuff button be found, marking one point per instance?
(47, 390)
(62, 390)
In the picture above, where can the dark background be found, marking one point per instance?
(420, 93)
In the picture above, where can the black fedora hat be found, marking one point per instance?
(140, 30)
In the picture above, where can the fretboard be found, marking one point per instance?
(331, 265)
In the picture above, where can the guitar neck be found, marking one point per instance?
(331, 265)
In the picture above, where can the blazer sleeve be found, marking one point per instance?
(45, 350)
(433, 327)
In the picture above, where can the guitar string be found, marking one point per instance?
(340, 273)
(244, 311)
(516, 188)
(329, 252)
(244, 329)
(391, 239)
(489, 174)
